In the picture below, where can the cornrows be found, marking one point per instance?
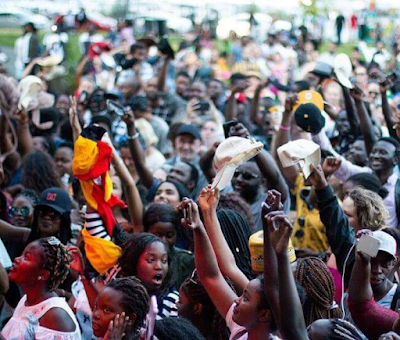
(135, 298)
(56, 260)
(314, 276)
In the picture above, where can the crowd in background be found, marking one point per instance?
(108, 209)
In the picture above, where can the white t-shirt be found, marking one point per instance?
(386, 301)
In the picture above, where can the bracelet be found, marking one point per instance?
(284, 128)
(135, 136)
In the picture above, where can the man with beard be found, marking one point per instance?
(382, 161)
(164, 104)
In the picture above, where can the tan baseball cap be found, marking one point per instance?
(303, 152)
(231, 153)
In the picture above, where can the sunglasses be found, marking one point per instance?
(373, 92)
(53, 215)
(246, 175)
(24, 211)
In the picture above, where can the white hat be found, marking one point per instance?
(343, 69)
(388, 242)
(231, 153)
(300, 151)
(50, 61)
(28, 88)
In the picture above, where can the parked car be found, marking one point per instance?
(16, 17)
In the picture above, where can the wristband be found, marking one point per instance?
(284, 128)
(135, 136)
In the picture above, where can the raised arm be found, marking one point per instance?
(217, 288)
(208, 202)
(14, 234)
(365, 120)
(360, 289)
(74, 119)
(136, 150)
(255, 115)
(340, 235)
(135, 204)
(4, 284)
(292, 324)
(350, 110)
(162, 77)
(282, 137)
(386, 109)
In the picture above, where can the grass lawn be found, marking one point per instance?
(8, 37)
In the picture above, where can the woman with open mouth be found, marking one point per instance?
(41, 314)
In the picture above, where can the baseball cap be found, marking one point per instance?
(302, 151)
(231, 153)
(307, 111)
(388, 242)
(323, 69)
(343, 70)
(256, 246)
(57, 199)
(189, 129)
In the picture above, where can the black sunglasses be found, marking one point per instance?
(246, 175)
(52, 214)
(24, 211)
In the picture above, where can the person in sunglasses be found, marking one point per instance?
(51, 217)
(21, 215)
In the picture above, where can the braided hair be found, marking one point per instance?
(316, 279)
(196, 293)
(237, 232)
(56, 259)
(135, 298)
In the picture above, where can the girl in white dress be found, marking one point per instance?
(41, 314)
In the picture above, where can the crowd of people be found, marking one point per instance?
(200, 194)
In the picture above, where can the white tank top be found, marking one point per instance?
(24, 324)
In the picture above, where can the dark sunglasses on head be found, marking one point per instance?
(246, 175)
(24, 211)
(52, 214)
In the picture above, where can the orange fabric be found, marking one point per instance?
(102, 254)
(90, 165)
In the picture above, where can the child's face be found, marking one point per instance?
(152, 267)
(108, 305)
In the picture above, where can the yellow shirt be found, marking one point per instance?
(308, 231)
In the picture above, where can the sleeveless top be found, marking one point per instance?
(24, 324)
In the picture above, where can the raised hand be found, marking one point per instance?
(118, 327)
(191, 217)
(272, 202)
(77, 263)
(239, 130)
(290, 102)
(317, 178)
(280, 230)
(357, 93)
(208, 199)
(330, 165)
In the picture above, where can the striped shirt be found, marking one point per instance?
(95, 226)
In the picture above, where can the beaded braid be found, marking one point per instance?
(56, 259)
(196, 293)
(135, 298)
(314, 276)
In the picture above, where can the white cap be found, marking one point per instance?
(28, 89)
(231, 153)
(343, 70)
(300, 151)
(388, 243)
